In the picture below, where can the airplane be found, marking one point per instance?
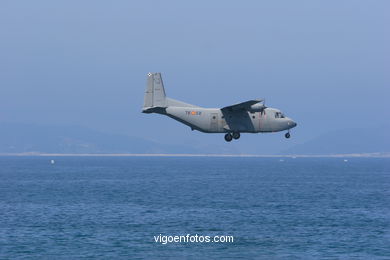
(251, 116)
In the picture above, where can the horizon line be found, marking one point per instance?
(362, 155)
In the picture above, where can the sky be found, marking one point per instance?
(323, 63)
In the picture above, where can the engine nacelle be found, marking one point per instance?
(257, 107)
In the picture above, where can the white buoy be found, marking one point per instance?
(345, 160)
(281, 160)
(52, 162)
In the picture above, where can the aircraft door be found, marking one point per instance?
(214, 122)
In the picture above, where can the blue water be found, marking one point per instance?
(112, 207)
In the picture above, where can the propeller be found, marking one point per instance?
(264, 107)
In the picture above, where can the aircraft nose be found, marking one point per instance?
(294, 124)
(291, 123)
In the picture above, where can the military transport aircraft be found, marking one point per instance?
(247, 117)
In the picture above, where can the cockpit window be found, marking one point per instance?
(279, 115)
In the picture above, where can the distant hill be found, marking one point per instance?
(22, 138)
(28, 138)
(370, 140)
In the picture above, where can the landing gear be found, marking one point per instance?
(228, 137)
(287, 135)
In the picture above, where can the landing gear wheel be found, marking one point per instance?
(287, 135)
(228, 137)
(236, 135)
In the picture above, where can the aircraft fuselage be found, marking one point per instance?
(214, 120)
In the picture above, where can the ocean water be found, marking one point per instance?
(112, 207)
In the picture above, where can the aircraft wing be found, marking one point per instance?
(242, 106)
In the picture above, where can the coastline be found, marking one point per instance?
(351, 155)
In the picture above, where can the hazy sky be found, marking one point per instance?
(324, 63)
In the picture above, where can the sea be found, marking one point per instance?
(126, 207)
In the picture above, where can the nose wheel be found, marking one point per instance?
(236, 135)
(287, 135)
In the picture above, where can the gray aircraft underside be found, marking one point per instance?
(247, 117)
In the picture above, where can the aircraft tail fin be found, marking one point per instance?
(155, 100)
(155, 92)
